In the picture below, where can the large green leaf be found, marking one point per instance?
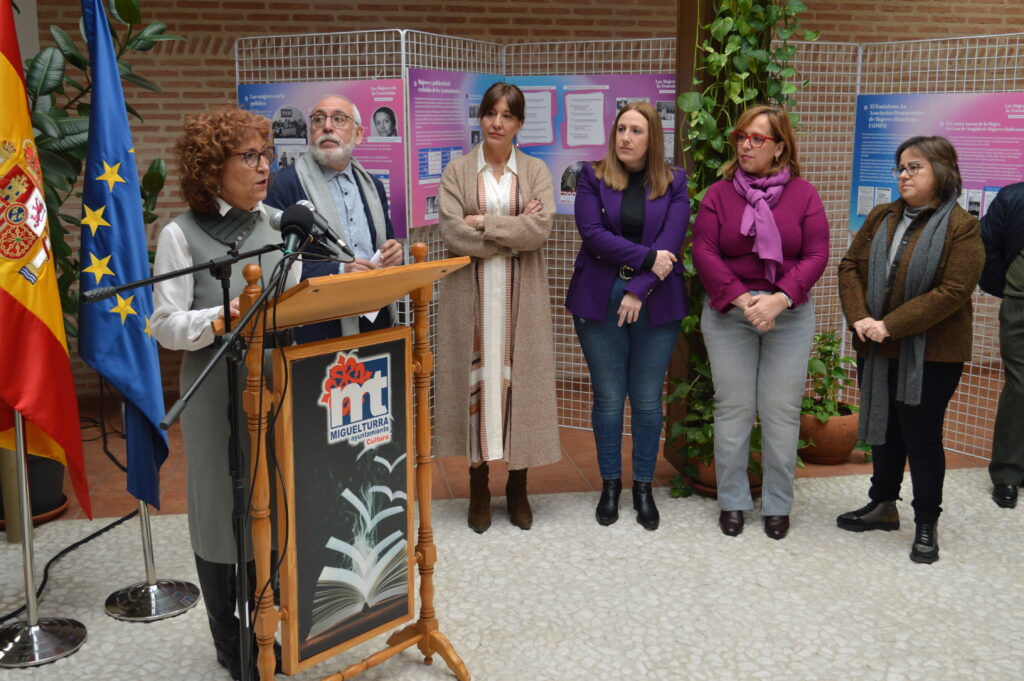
(45, 124)
(58, 164)
(45, 73)
(125, 11)
(689, 101)
(127, 75)
(69, 143)
(73, 126)
(68, 48)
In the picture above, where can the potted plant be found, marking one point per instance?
(826, 423)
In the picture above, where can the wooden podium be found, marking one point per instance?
(322, 299)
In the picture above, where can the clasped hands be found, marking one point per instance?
(870, 328)
(761, 309)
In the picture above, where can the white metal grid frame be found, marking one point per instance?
(837, 73)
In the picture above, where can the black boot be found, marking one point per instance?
(217, 582)
(876, 515)
(608, 506)
(643, 504)
(926, 543)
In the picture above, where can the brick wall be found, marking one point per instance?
(199, 74)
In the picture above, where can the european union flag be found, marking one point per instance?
(114, 336)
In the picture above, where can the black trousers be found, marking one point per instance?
(1007, 467)
(914, 435)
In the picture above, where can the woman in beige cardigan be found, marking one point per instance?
(495, 388)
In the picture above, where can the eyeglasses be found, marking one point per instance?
(756, 141)
(911, 168)
(339, 119)
(252, 157)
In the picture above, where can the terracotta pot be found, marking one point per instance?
(705, 482)
(833, 440)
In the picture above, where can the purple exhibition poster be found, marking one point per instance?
(443, 124)
(381, 106)
(568, 119)
(987, 130)
(567, 122)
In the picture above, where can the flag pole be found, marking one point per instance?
(155, 599)
(34, 641)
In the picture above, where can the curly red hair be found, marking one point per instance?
(206, 145)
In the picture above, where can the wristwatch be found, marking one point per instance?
(789, 301)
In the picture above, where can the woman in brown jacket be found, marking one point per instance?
(905, 285)
(495, 388)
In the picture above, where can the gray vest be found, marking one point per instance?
(204, 423)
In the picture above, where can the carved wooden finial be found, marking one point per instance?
(252, 273)
(419, 251)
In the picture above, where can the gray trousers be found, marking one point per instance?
(757, 373)
(1007, 466)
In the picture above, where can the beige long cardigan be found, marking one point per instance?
(534, 419)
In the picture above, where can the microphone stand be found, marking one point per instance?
(220, 268)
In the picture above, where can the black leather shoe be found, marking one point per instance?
(876, 515)
(608, 506)
(776, 526)
(643, 503)
(731, 522)
(926, 543)
(1005, 496)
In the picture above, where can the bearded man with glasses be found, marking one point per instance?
(352, 201)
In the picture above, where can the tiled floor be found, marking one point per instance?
(576, 472)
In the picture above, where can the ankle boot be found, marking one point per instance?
(608, 506)
(643, 503)
(926, 543)
(519, 511)
(479, 499)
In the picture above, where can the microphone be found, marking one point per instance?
(325, 227)
(296, 225)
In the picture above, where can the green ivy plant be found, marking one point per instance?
(827, 370)
(59, 90)
(744, 61)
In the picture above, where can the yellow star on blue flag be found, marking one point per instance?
(114, 336)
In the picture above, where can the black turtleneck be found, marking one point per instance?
(634, 200)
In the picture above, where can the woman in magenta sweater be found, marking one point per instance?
(760, 244)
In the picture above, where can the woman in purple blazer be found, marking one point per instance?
(627, 296)
(760, 242)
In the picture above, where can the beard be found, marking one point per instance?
(336, 157)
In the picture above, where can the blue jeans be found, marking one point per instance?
(629, 359)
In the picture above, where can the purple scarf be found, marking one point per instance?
(762, 193)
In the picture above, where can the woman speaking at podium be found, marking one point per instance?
(224, 160)
(496, 368)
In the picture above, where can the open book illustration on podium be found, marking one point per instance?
(368, 571)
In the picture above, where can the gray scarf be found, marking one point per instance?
(874, 390)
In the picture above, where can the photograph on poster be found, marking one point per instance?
(384, 122)
(667, 113)
(289, 126)
(430, 209)
(474, 137)
(570, 178)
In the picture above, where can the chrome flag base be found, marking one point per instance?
(25, 645)
(144, 602)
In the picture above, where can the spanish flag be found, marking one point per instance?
(35, 371)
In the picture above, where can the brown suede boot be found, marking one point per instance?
(519, 511)
(479, 498)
